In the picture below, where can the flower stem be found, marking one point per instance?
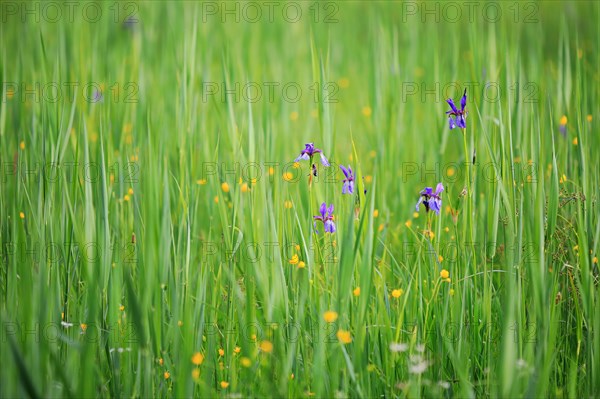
(468, 204)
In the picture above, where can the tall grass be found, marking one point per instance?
(167, 219)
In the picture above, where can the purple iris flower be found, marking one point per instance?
(456, 117)
(309, 151)
(326, 217)
(431, 200)
(348, 187)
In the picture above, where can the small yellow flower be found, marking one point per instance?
(330, 316)
(375, 213)
(180, 323)
(121, 308)
(448, 280)
(563, 120)
(237, 349)
(224, 384)
(22, 145)
(294, 260)
(381, 227)
(440, 258)
(575, 142)
(130, 191)
(589, 118)
(271, 171)
(266, 346)
(225, 187)
(197, 358)
(21, 215)
(167, 375)
(415, 215)
(221, 352)
(301, 265)
(408, 223)
(297, 246)
(344, 336)
(397, 293)
(126, 198)
(576, 248)
(446, 229)
(444, 273)
(366, 111)
(373, 153)
(161, 361)
(356, 291)
(195, 374)
(288, 176)
(83, 327)
(253, 337)
(245, 362)
(293, 116)
(451, 292)
(288, 204)
(563, 179)
(216, 199)
(450, 172)
(368, 179)
(245, 187)
(595, 260)
(344, 83)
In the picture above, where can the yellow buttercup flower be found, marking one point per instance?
(225, 187)
(301, 265)
(245, 362)
(397, 293)
(563, 120)
(195, 374)
(167, 375)
(356, 291)
(197, 358)
(330, 316)
(344, 336)
(444, 273)
(266, 346)
(221, 352)
(224, 384)
(294, 260)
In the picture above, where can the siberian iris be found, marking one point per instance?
(348, 187)
(456, 117)
(326, 217)
(309, 151)
(431, 200)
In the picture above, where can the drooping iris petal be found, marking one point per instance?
(451, 122)
(346, 188)
(304, 156)
(419, 203)
(351, 187)
(463, 101)
(324, 160)
(460, 122)
(435, 205)
(329, 226)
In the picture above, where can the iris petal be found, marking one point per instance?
(324, 160)
(463, 101)
(439, 189)
(323, 209)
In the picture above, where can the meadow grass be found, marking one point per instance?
(158, 241)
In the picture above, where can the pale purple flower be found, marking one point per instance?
(348, 187)
(456, 117)
(431, 200)
(309, 151)
(326, 217)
